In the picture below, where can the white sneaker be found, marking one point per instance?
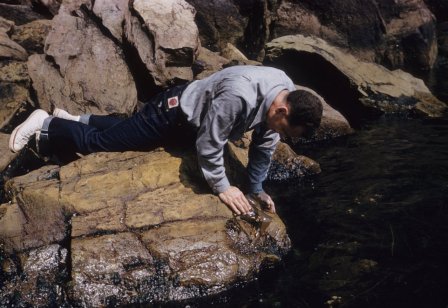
(22, 133)
(62, 114)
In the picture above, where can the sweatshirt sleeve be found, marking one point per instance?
(264, 142)
(212, 137)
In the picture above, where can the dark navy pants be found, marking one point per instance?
(145, 130)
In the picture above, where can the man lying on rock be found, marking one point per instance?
(220, 107)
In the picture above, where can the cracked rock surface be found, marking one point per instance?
(135, 227)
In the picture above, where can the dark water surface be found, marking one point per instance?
(371, 229)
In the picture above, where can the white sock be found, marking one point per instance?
(59, 113)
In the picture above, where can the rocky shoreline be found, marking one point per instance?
(125, 228)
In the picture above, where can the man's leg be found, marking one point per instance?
(101, 122)
(140, 132)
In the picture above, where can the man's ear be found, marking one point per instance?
(282, 110)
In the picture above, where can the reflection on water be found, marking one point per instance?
(371, 230)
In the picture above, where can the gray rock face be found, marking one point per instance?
(90, 75)
(112, 13)
(356, 88)
(399, 34)
(220, 22)
(85, 69)
(167, 42)
(162, 32)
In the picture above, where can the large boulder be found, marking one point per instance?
(163, 34)
(88, 72)
(112, 14)
(138, 227)
(354, 87)
(219, 23)
(399, 34)
(166, 38)
(99, 54)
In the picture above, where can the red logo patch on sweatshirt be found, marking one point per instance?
(173, 102)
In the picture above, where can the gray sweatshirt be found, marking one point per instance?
(223, 107)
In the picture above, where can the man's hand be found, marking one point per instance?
(235, 200)
(265, 201)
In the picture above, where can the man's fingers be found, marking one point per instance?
(271, 203)
(240, 206)
(228, 202)
(244, 204)
(234, 208)
(271, 206)
(236, 200)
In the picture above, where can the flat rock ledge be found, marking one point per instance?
(352, 86)
(125, 228)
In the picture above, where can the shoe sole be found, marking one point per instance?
(16, 130)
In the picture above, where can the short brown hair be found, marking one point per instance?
(305, 109)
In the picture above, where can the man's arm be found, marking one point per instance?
(211, 139)
(264, 142)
